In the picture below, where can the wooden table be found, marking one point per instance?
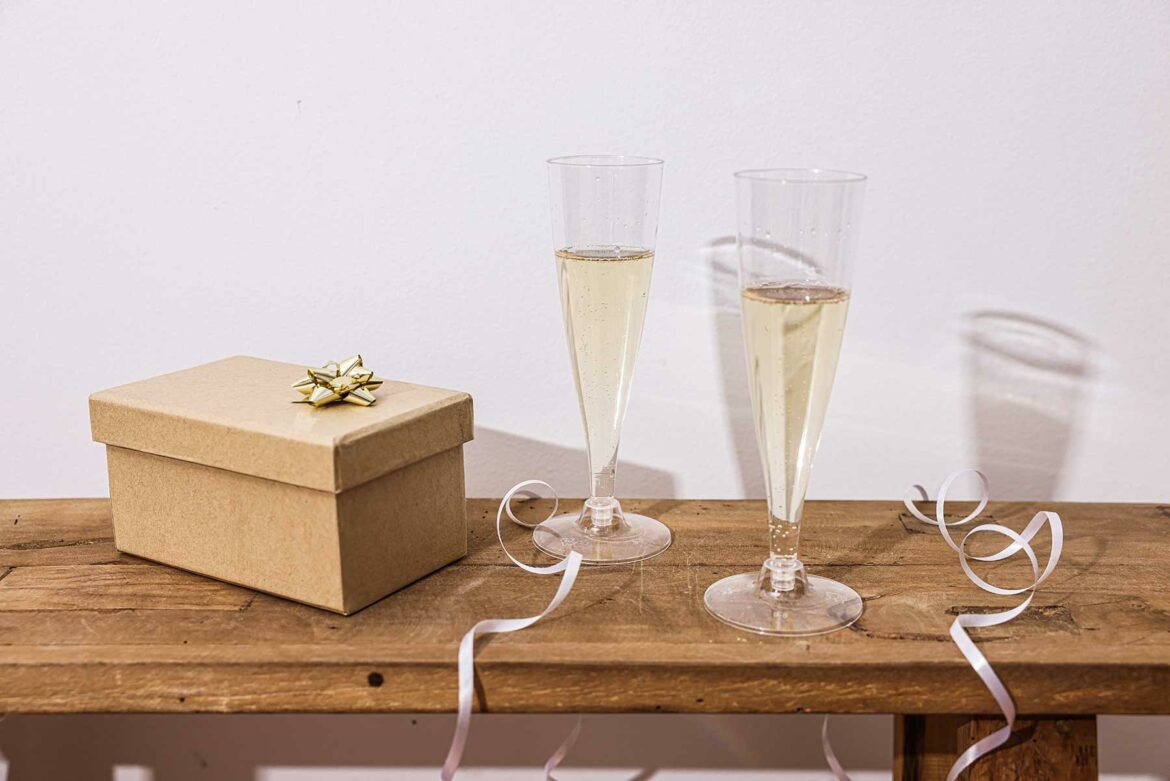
(86, 629)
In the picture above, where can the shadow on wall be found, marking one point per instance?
(1026, 382)
(496, 460)
(723, 264)
(406, 748)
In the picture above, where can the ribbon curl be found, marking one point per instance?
(345, 381)
(1019, 541)
(570, 566)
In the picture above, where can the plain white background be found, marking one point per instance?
(181, 181)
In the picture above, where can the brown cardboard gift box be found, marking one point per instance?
(214, 470)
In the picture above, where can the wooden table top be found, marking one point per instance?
(84, 628)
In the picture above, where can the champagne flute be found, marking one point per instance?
(605, 221)
(797, 235)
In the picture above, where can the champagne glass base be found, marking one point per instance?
(637, 538)
(822, 606)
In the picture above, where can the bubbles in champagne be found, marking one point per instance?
(604, 291)
(793, 336)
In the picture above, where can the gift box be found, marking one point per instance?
(214, 470)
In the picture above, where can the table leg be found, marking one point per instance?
(1044, 748)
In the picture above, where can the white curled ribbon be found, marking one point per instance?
(1019, 541)
(570, 566)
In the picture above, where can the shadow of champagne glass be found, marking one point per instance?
(498, 459)
(1026, 383)
(723, 270)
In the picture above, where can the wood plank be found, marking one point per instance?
(53, 685)
(925, 746)
(55, 531)
(118, 634)
(1047, 748)
(1044, 748)
(99, 587)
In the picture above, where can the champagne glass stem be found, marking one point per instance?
(602, 503)
(782, 571)
(603, 483)
(783, 537)
(783, 515)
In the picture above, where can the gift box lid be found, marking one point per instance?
(237, 414)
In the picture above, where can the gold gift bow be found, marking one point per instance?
(345, 381)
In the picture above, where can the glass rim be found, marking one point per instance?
(604, 161)
(801, 176)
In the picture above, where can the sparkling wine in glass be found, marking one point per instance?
(796, 239)
(605, 221)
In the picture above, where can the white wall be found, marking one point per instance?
(184, 181)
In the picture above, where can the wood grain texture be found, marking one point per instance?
(86, 629)
(1049, 748)
(925, 747)
(114, 587)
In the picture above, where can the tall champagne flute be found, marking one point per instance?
(797, 237)
(605, 221)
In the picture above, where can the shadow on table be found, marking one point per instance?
(1026, 383)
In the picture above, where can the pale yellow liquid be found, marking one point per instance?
(603, 297)
(793, 337)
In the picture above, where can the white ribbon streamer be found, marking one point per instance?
(830, 757)
(1019, 541)
(570, 566)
